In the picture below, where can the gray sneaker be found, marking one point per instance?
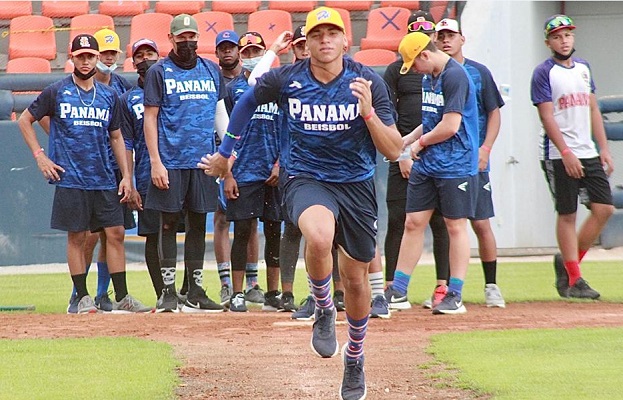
(380, 308)
(226, 293)
(237, 303)
(396, 300)
(306, 310)
(103, 302)
(129, 305)
(254, 295)
(493, 296)
(168, 301)
(581, 290)
(86, 305)
(353, 385)
(72, 307)
(324, 340)
(451, 304)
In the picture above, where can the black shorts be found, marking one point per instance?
(565, 190)
(255, 200)
(484, 201)
(78, 210)
(128, 216)
(454, 197)
(353, 205)
(396, 184)
(283, 179)
(189, 189)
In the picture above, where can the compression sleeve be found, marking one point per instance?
(262, 67)
(221, 119)
(241, 115)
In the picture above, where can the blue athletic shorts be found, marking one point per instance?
(189, 189)
(484, 201)
(454, 197)
(255, 200)
(78, 210)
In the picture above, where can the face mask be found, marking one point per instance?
(229, 66)
(82, 76)
(560, 57)
(187, 50)
(143, 66)
(104, 69)
(250, 63)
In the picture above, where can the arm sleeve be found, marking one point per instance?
(243, 110)
(221, 119)
(262, 67)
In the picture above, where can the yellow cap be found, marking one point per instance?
(321, 16)
(108, 40)
(410, 47)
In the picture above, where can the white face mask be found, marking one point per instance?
(104, 69)
(250, 63)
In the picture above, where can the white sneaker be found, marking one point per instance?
(493, 296)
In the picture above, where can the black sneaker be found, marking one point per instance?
(353, 385)
(562, 277)
(199, 302)
(581, 290)
(451, 304)
(167, 301)
(338, 300)
(237, 303)
(272, 301)
(287, 302)
(324, 340)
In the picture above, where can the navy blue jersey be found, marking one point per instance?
(258, 149)
(452, 91)
(132, 110)
(328, 138)
(119, 84)
(80, 123)
(187, 101)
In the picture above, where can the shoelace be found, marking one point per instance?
(352, 374)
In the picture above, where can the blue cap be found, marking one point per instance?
(227, 36)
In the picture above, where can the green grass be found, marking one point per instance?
(98, 368)
(536, 364)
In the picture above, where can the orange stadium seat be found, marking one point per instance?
(292, 6)
(356, 5)
(28, 65)
(438, 10)
(236, 7)
(120, 8)
(375, 57)
(386, 27)
(12, 9)
(345, 14)
(210, 24)
(270, 24)
(128, 66)
(69, 66)
(411, 5)
(209, 56)
(32, 36)
(154, 26)
(89, 23)
(179, 7)
(64, 9)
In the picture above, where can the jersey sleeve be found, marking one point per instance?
(268, 87)
(115, 116)
(381, 100)
(127, 129)
(540, 88)
(44, 104)
(223, 93)
(153, 85)
(491, 97)
(455, 90)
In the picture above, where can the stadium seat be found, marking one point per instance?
(347, 24)
(375, 57)
(411, 5)
(386, 27)
(26, 65)
(89, 23)
(120, 8)
(292, 6)
(69, 66)
(127, 65)
(179, 7)
(270, 24)
(356, 5)
(32, 36)
(209, 56)
(12, 9)
(438, 10)
(210, 24)
(64, 9)
(236, 7)
(154, 26)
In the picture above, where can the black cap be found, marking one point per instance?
(299, 34)
(421, 16)
(84, 44)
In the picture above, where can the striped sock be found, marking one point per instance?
(356, 335)
(251, 274)
(401, 282)
(455, 285)
(376, 283)
(321, 290)
(223, 273)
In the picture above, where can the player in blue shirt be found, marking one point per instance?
(84, 122)
(338, 114)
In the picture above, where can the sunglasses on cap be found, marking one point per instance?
(250, 39)
(421, 26)
(558, 22)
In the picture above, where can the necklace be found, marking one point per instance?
(80, 97)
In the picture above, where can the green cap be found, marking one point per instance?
(183, 23)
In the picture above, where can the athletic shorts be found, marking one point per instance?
(484, 201)
(78, 210)
(592, 188)
(283, 179)
(189, 189)
(353, 205)
(255, 200)
(128, 215)
(454, 197)
(396, 184)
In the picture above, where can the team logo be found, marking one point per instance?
(108, 38)
(463, 186)
(586, 78)
(324, 14)
(84, 42)
(226, 35)
(295, 84)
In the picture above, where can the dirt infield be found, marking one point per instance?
(261, 355)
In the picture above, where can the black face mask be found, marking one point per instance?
(560, 57)
(82, 76)
(187, 51)
(230, 66)
(143, 66)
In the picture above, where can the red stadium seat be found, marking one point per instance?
(128, 66)
(386, 27)
(64, 9)
(236, 7)
(179, 7)
(356, 5)
(27, 65)
(120, 8)
(270, 24)
(155, 26)
(375, 57)
(438, 10)
(69, 66)
(411, 5)
(89, 23)
(210, 24)
(345, 14)
(292, 6)
(32, 36)
(12, 9)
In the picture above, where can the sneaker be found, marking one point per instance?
(338, 300)
(581, 290)
(103, 302)
(562, 277)
(451, 304)
(353, 385)
(272, 301)
(72, 307)
(226, 293)
(199, 302)
(86, 305)
(168, 301)
(396, 300)
(287, 302)
(237, 303)
(324, 340)
(129, 305)
(254, 295)
(306, 311)
(438, 294)
(380, 308)
(181, 300)
(493, 296)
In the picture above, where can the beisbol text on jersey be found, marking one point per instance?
(85, 116)
(318, 113)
